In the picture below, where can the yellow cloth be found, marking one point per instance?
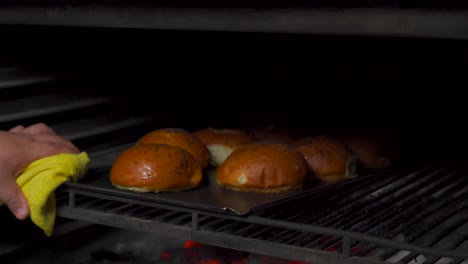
(40, 180)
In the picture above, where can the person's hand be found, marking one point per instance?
(18, 148)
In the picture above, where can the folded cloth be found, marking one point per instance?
(40, 180)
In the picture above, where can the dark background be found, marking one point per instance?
(409, 89)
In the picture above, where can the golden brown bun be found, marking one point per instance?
(273, 133)
(268, 167)
(329, 159)
(221, 142)
(155, 168)
(369, 151)
(181, 138)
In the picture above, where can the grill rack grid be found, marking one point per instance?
(413, 213)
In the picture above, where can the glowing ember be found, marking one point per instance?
(192, 244)
(165, 255)
(199, 253)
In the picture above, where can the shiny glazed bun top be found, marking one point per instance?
(181, 138)
(268, 167)
(328, 158)
(155, 168)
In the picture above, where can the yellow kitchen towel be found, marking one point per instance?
(40, 180)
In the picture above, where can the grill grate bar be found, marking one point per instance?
(166, 215)
(440, 260)
(214, 224)
(134, 210)
(92, 203)
(83, 200)
(202, 219)
(105, 206)
(326, 210)
(116, 210)
(433, 179)
(402, 205)
(345, 201)
(146, 214)
(235, 227)
(463, 247)
(448, 226)
(453, 208)
(437, 200)
(384, 201)
(357, 236)
(95, 204)
(151, 213)
(299, 236)
(435, 218)
(357, 192)
(334, 199)
(384, 193)
(183, 219)
(265, 232)
(349, 215)
(258, 233)
(61, 197)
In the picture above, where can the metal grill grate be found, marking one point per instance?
(423, 209)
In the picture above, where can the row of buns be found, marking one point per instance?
(252, 160)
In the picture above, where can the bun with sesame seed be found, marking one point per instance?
(328, 158)
(181, 138)
(266, 167)
(155, 168)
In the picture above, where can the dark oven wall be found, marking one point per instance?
(398, 87)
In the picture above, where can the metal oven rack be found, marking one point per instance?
(398, 217)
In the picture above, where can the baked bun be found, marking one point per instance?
(273, 133)
(155, 168)
(221, 142)
(181, 138)
(267, 167)
(328, 158)
(370, 151)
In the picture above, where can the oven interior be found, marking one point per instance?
(103, 88)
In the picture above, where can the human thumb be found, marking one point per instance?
(11, 195)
